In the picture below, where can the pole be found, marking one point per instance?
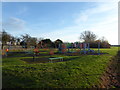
(98, 48)
(33, 57)
(88, 47)
(68, 47)
(84, 48)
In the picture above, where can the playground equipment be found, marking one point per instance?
(36, 52)
(51, 53)
(7, 52)
(82, 48)
(68, 47)
(62, 48)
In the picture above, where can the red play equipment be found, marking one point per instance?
(7, 50)
(51, 52)
(36, 51)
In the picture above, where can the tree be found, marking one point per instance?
(25, 40)
(17, 40)
(40, 39)
(23, 44)
(104, 42)
(47, 43)
(28, 40)
(12, 40)
(88, 36)
(103, 39)
(57, 42)
(32, 41)
(25, 37)
(5, 37)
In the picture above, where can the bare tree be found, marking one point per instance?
(40, 39)
(25, 37)
(88, 36)
(103, 39)
(18, 40)
(30, 41)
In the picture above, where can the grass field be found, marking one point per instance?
(77, 72)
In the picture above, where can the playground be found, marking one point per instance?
(50, 55)
(55, 67)
(58, 67)
(61, 45)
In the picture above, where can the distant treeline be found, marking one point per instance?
(26, 41)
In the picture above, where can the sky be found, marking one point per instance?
(61, 20)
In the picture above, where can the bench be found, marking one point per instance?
(61, 59)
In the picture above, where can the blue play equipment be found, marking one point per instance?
(83, 47)
(59, 48)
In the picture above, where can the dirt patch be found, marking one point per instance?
(22, 54)
(36, 60)
(45, 60)
(111, 77)
(78, 54)
(41, 60)
(30, 54)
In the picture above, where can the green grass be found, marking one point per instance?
(82, 72)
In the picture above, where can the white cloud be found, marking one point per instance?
(102, 7)
(82, 18)
(105, 26)
(14, 24)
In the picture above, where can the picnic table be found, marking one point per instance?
(60, 58)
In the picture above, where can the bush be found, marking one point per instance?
(102, 44)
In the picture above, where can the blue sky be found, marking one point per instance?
(65, 20)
